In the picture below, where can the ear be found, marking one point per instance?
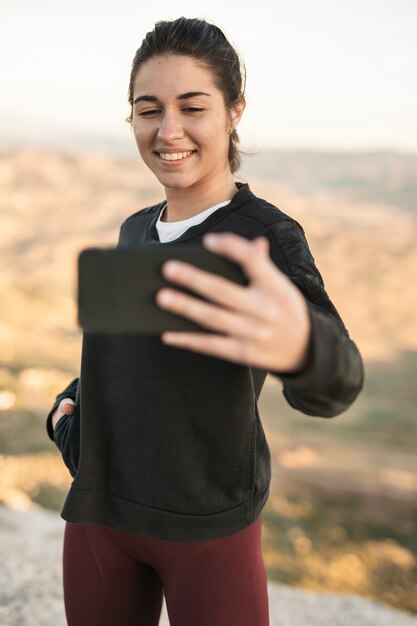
(237, 112)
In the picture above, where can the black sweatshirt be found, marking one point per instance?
(168, 442)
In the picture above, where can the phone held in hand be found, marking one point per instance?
(117, 287)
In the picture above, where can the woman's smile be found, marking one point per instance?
(174, 159)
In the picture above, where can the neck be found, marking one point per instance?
(185, 203)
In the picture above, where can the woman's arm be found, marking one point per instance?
(333, 375)
(66, 434)
(69, 392)
(282, 322)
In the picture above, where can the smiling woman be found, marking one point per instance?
(184, 135)
(170, 460)
(197, 126)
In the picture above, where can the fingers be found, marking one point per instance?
(223, 347)
(213, 286)
(207, 315)
(263, 244)
(67, 406)
(252, 256)
(218, 289)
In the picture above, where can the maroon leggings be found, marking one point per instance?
(118, 578)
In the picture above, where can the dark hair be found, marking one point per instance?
(206, 42)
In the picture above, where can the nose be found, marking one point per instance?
(170, 127)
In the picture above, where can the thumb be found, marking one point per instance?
(68, 405)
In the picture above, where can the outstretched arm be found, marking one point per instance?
(282, 322)
(333, 371)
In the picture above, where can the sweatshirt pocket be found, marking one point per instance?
(67, 440)
(206, 463)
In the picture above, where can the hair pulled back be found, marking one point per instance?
(207, 44)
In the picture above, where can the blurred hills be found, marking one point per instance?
(53, 204)
(342, 514)
(382, 177)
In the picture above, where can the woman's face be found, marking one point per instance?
(177, 109)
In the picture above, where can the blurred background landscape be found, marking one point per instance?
(330, 120)
(342, 515)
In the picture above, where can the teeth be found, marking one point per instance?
(174, 156)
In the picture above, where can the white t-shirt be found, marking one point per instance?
(168, 231)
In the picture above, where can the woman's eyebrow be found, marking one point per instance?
(183, 96)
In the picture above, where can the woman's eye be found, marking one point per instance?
(147, 112)
(152, 111)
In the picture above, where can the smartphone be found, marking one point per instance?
(117, 287)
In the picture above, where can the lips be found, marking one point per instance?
(174, 157)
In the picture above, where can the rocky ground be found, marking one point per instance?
(31, 583)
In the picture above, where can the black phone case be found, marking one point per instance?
(117, 287)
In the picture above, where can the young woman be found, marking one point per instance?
(162, 434)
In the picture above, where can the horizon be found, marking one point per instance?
(85, 144)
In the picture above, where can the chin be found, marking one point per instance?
(175, 182)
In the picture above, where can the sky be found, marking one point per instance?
(323, 75)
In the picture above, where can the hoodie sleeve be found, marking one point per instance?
(66, 435)
(333, 374)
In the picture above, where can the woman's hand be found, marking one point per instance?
(265, 324)
(66, 406)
